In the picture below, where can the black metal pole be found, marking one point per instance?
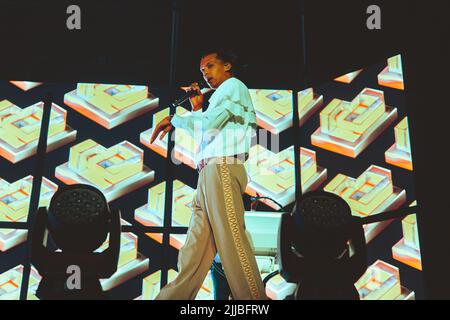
(169, 164)
(36, 190)
(296, 117)
(13, 225)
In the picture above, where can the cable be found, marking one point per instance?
(394, 214)
(270, 276)
(254, 199)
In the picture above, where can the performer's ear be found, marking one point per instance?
(227, 66)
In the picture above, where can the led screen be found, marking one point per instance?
(355, 142)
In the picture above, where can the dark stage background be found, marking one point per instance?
(158, 43)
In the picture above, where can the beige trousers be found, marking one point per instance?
(217, 225)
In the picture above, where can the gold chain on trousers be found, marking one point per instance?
(232, 220)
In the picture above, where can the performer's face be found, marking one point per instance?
(214, 70)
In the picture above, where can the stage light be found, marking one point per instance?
(322, 248)
(78, 221)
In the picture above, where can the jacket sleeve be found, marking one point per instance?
(190, 123)
(231, 103)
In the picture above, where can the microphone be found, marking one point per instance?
(191, 93)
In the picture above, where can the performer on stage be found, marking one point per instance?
(217, 224)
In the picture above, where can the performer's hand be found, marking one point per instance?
(164, 125)
(196, 101)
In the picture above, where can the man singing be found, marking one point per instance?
(217, 224)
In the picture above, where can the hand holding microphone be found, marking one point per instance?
(195, 96)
